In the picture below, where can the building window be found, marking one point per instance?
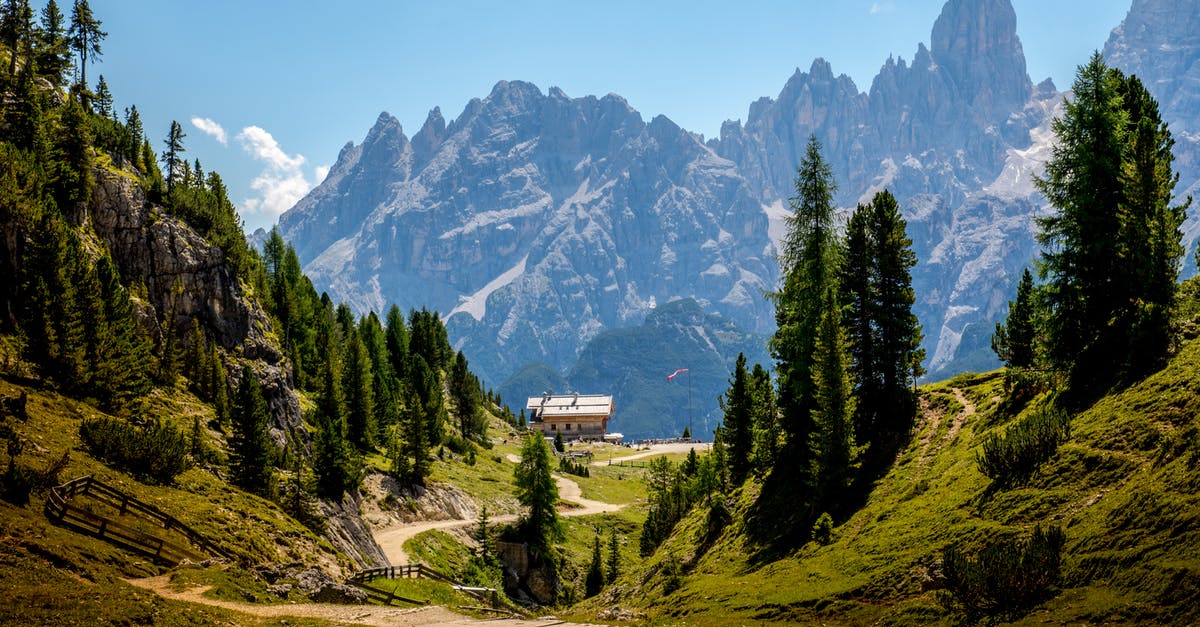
(553, 427)
(568, 426)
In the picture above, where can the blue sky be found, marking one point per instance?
(269, 91)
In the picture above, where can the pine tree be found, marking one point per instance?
(250, 447)
(334, 463)
(739, 428)
(857, 298)
(537, 491)
(766, 426)
(104, 98)
(416, 438)
(1013, 340)
(171, 157)
(1150, 238)
(122, 351)
(612, 570)
(357, 380)
(53, 54)
(834, 453)
(17, 28)
(594, 581)
(899, 331)
(397, 341)
(1111, 252)
(219, 384)
(85, 36)
(809, 260)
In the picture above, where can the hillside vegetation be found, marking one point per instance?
(1123, 489)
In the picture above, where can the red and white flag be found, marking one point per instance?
(676, 373)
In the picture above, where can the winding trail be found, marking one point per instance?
(391, 539)
(659, 449)
(376, 615)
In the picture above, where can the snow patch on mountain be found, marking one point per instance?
(475, 305)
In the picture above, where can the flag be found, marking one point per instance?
(673, 374)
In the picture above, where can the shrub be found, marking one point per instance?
(572, 467)
(1011, 458)
(822, 531)
(1006, 578)
(156, 451)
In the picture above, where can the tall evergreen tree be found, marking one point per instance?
(1111, 252)
(53, 54)
(1150, 239)
(172, 156)
(334, 463)
(594, 580)
(859, 306)
(738, 433)
(1080, 260)
(397, 340)
(16, 23)
(122, 351)
(613, 567)
(1013, 340)
(85, 36)
(809, 259)
(537, 491)
(834, 453)
(104, 98)
(765, 420)
(899, 331)
(357, 383)
(250, 447)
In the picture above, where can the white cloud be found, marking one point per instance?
(321, 172)
(887, 6)
(262, 146)
(211, 128)
(282, 183)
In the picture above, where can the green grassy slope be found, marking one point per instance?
(53, 575)
(1124, 489)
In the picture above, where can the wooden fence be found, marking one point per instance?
(632, 463)
(59, 508)
(411, 571)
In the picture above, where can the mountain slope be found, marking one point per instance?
(534, 221)
(1123, 489)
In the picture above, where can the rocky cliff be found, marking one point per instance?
(538, 220)
(187, 279)
(1159, 41)
(535, 220)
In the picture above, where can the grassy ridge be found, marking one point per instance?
(1124, 489)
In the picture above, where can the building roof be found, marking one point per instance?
(560, 405)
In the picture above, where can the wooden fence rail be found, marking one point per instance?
(59, 508)
(412, 571)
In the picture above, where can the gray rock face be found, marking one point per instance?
(536, 220)
(187, 278)
(1159, 40)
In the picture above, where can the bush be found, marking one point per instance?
(571, 467)
(1013, 457)
(822, 531)
(1007, 578)
(156, 451)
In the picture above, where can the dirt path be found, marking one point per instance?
(359, 614)
(392, 539)
(967, 411)
(658, 449)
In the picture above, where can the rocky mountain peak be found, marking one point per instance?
(975, 43)
(1159, 40)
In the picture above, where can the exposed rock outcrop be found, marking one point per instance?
(187, 279)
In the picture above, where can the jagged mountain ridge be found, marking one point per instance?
(606, 207)
(536, 220)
